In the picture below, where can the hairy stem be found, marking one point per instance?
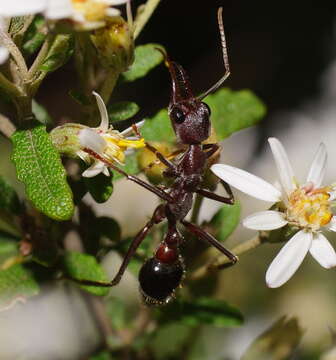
(9, 88)
(108, 85)
(15, 52)
(144, 16)
(223, 261)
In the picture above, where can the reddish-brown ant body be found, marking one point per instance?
(163, 273)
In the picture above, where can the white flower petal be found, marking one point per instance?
(59, 9)
(289, 259)
(104, 125)
(322, 251)
(9, 8)
(112, 12)
(89, 138)
(283, 165)
(332, 224)
(318, 166)
(332, 195)
(265, 220)
(3, 54)
(96, 168)
(247, 183)
(115, 2)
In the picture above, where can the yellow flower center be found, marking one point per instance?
(92, 10)
(117, 145)
(309, 207)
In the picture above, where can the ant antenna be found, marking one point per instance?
(225, 56)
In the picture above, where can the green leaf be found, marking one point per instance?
(146, 58)
(158, 128)
(109, 228)
(100, 187)
(41, 113)
(34, 36)
(39, 167)
(201, 311)
(85, 267)
(104, 355)
(131, 167)
(16, 282)
(226, 220)
(234, 110)
(8, 247)
(122, 110)
(276, 343)
(59, 53)
(9, 200)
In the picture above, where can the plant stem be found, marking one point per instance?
(144, 16)
(6, 126)
(223, 260)
(9, 87)
(196, 209)
(108, 85)
(15, 52)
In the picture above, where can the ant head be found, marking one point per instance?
(190, 120)
(189, 116)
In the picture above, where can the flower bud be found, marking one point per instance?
(115, 45)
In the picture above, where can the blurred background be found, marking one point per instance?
(285, 53)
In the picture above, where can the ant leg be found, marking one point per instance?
(203, 235)
(226, 200)
(157, 217)
(162, 158)
(213, 148)
(160, 193)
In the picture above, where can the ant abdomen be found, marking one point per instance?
(159, 280)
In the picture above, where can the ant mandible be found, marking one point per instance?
(160, 275)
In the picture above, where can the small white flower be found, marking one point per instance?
(85, 14)
(106, 142)
(307, 207)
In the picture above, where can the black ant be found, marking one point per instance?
(163, 273)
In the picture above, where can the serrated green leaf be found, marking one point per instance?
(122, 110)
(226, 220)
(100, 187)
(85, 267)
(276, 343)
(131, 167)
(39, 167)
(201, 311)
(158, 128)
(232, 111)
(16, 282)
(34, 36)
(41, 113)
(146, 58)
(9, 200)
(59, 53)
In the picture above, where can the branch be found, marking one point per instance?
(144, 16)
(6, 126)
(223, 261)
(15, 52)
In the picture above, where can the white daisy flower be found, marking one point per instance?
(85, 14)
(307, 207)
(75, 139)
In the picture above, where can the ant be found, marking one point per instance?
(160, 275)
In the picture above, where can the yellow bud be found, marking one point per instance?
(151, 166)
(114, 43)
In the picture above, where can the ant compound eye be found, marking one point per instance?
(207, 107)
(177, 115)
